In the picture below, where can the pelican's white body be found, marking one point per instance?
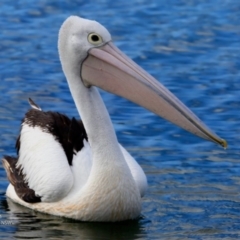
(104, 183)
(102, 201)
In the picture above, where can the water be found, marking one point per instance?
(192, 47)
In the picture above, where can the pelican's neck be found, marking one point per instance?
(106, 152)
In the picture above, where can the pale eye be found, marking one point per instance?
(95, 38)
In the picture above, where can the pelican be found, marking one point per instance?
(77, 169)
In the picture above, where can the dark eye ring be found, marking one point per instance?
(95, 38)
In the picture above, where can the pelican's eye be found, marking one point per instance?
(95, 38)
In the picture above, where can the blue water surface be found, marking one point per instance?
(193, 48)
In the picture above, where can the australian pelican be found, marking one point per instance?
(77, 169)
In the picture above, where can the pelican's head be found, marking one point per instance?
(76, 37)
(86, 51)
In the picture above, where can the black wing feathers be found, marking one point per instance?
(70, 133)
(16, 178)
(77, 134)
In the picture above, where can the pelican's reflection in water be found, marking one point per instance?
(32, 225)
